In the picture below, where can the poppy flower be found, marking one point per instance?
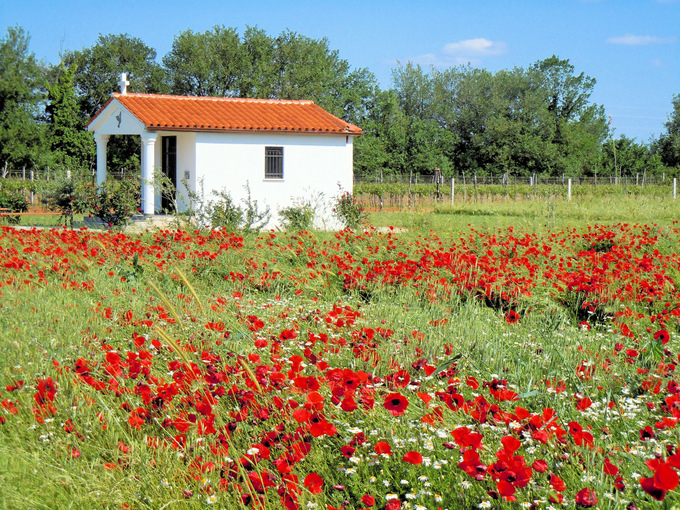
(662, 335)
(367, 500)
(382, 447)
(396, 404)
(412, 457)
(511, 317)
(314, 483)
(586, 498)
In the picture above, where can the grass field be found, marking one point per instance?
(502, 355)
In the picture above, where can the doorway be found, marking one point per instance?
(169, 169)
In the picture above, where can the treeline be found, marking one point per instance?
(534, 120)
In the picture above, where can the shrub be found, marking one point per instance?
(69, 198)
(224, 213)
(299, 216)
(15, 202)
(116, 201)
(349, 212)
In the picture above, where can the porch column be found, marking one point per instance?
(101, 141)
(148, 156)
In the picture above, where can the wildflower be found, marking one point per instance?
(412, 457)
(586, 498)
(396, 404)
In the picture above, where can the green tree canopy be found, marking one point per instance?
(668, 145)
(219, 62)
(98, 69)
(22, 96)
(71, 145)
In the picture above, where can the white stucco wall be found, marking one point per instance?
(316, 168)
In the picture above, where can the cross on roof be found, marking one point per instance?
(123, 83)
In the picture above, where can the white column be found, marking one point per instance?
(101, 141)
(148, 153)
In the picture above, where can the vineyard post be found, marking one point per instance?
(569, 190)
(410, 179)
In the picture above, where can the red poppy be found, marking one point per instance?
(367, 500)
(314, 483)
(396, 404)
(413, 458)
(662, 335)
(382, 447)
(540, 465)
(586, 498)
(511, 317)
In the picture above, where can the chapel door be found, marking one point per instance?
(169, 169)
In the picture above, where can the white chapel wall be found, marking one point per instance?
(317, 167)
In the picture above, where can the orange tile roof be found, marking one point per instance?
(186, 113)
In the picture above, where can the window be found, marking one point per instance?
(273, 162)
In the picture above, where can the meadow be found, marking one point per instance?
(496, 355)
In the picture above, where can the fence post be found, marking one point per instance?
(23, 173)
(48, 173)
(453, 189)
(675, 188)
(32, 198)
(569, 190)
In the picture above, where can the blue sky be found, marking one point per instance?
(631, 47)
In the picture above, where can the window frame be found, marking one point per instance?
(273, 163)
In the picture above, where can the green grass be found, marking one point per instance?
(296, 282)
(534, 215)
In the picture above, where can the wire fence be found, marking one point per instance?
(637, 179)
(48, 174)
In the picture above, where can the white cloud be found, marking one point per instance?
(475, 48)
(640, 40)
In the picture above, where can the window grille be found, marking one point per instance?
(273, 162)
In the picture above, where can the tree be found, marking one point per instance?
(22, 132)
(71, 145)
(207, 64)
(580, 126)
(96, 76)
(290, 66)
(98, 70)
(668, 145)
(632, 158)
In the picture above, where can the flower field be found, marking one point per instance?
(490, 368)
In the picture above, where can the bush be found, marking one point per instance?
(15, 202)
(116, 201)
(223, 212)
(69, 198)
(298, 216)
(349, 212)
